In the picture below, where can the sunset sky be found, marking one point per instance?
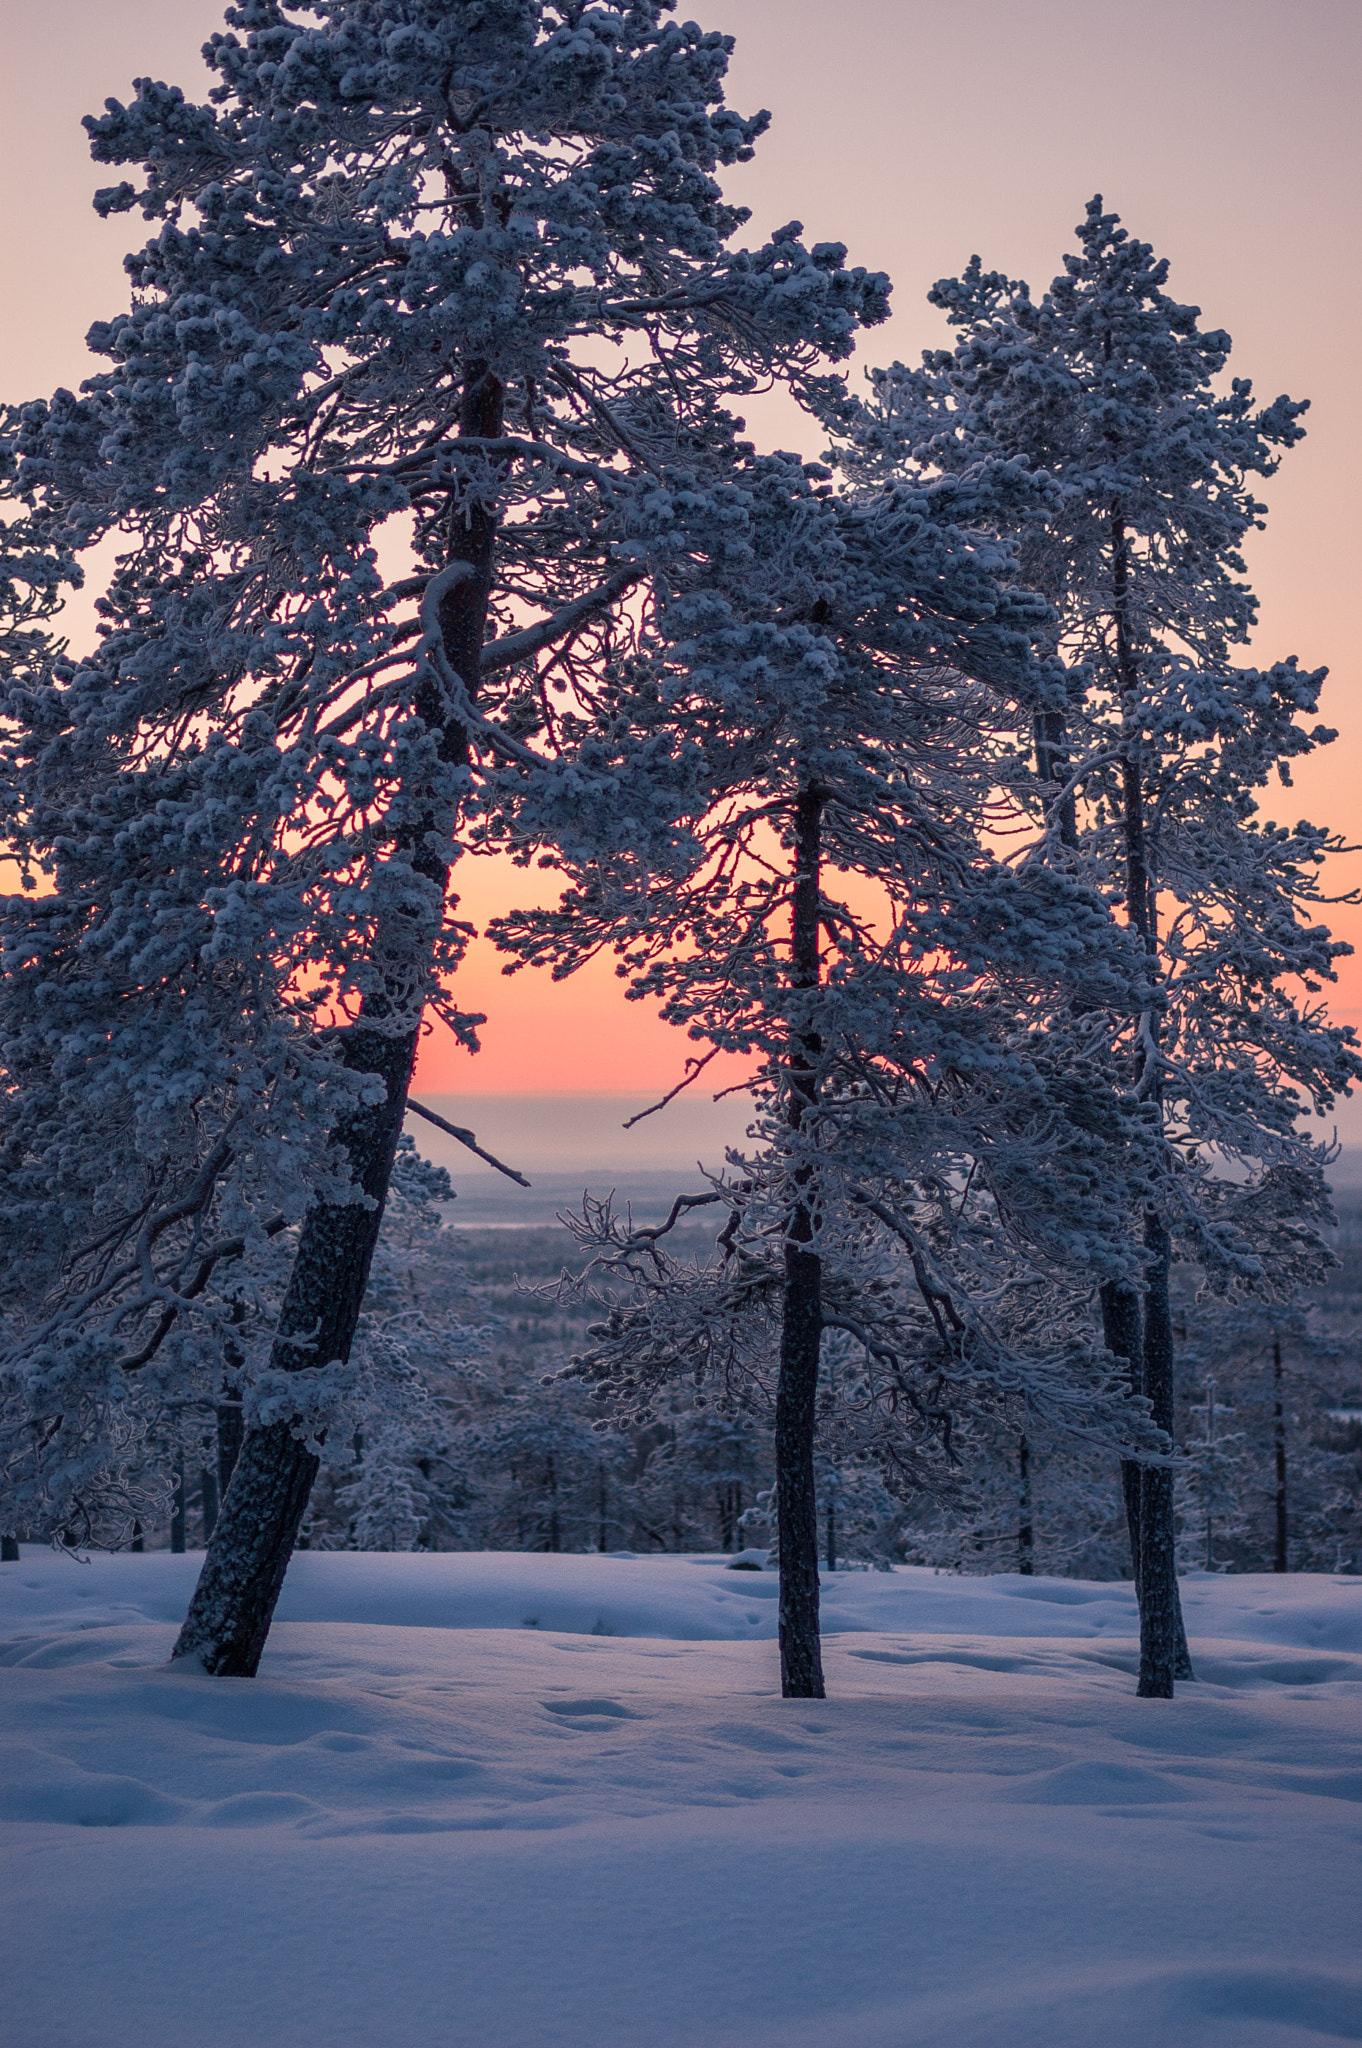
(1223, 131)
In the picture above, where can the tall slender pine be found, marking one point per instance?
(1151, 782)
(838, 684)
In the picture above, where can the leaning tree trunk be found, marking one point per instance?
(263, 1507)
(801, 1327)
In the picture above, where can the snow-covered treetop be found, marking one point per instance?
(1112, 392)
(1107, 385)
(465, 268)
(451, 262)
(929, 1089)
(380, 195)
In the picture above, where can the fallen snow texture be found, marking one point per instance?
(518, 1801)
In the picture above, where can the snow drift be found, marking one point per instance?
(514, 1801)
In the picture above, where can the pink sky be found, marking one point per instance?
(1225, 132)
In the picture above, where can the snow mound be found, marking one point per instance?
(453, 1809)
(685, 1599)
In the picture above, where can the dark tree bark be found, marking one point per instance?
(9, 1550)
(801, 1662)
(137, 1546)
(555, 1533)
(1164, 1654)
(1280, 1561)
(230, 1431)
(177, 1508)
(1026, 1528)
(1163, 1642)
(1052, 765)
(1210, 1439)
(1123, 1332)
(801, 1329)
(264, 1505)
(208, 1500)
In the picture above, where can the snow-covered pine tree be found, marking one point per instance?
(34, 579)
(548, 1479)
(1273, 1483)
(715, 1461)
(839, 683)
(1152, 785)
(458, 263)
(42, 1422)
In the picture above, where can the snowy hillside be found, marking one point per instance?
(513, 1801)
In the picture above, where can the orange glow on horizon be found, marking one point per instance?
(978, 126)
(543, 1037)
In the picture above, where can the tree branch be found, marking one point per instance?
(696, 1067)
(513, 647)
(230, 1248)
(465, 1138)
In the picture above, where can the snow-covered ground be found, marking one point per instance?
(518, 1801)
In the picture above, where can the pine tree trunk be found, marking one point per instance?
(1163, 1642)
(1052, 766)
(801, 1329)
(9, 1550)
(230, 1431)
(263, 1506)
(1026, 1528)
(208, 1498)
(177, 1507)
(801, 1661)
(266, 1499)
(1280, 1561)
(1210, 1476)
(1123, 1332)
